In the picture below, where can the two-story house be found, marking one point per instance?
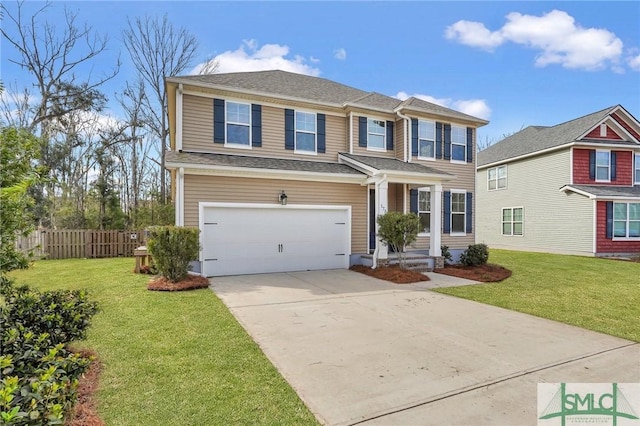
(572, 188)
(287, 172)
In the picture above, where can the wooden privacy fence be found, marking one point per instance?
(80, 243)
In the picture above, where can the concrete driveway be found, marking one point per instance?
(364, 351)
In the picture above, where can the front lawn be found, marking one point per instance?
(170, 358)
(597, 294)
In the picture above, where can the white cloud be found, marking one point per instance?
(634, 62)
(250, 56)
(475, 107)
(340, 54)
(555, 35)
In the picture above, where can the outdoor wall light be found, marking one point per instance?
(283, 198)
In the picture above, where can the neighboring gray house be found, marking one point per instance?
(286, 172)
(571, 188)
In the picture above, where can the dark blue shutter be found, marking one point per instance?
(414, 137)
(218, 120)
(320, 122)
(389, 135)
(609, 219)
(289, 131)
(413, 201)
(613, 165)
(447, 141)
(438, 140)
(256, 125)
(447, 212)
(592, 164)
(469, 145)
(469, 212)
(362, 131)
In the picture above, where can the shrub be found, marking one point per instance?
(172, 248)
(475, 255)
(398, 230)
(39, 376)
(446, 254)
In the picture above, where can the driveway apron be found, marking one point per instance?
(363, 351)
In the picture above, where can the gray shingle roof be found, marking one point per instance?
(603, 191)
(207, 159)
(392, 164)
(315, 89)
(538, 138)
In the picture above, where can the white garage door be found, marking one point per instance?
(248, 239)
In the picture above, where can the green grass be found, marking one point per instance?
(170, 358)
(597, 294)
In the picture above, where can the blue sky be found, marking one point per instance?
(513, 63)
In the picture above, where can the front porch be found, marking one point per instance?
(415, 261)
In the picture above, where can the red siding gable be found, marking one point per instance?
(607, 245)
(624, 168)
(595, 134)
(627, 127)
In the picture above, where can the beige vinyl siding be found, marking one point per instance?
(398, 143)
(199, 188)
(198, 133)
(553, 221)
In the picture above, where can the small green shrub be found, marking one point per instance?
(398, 230)
(38, 375)
(475, 255)
(172, 248)
(448, 259)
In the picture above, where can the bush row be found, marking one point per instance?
(39, 375)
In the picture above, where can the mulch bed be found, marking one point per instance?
(391, 273)
(485, 273)
(192, 282)
(84, 411)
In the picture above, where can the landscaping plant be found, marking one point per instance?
(475, 255)
(398, 230)
(39, 374)
(172, 248)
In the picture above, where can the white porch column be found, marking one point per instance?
(436, 221)
(382, 206)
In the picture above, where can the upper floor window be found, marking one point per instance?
(497, 178)
(376, 133)
(458, 212)
(458, 143)
(424, 210)
(238, 123)
(426, 139)
(603, 165)
(512, 221)
(626, 220)
(637, 169)
(305, 131)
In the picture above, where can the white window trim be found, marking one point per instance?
(497, 179)
(464, 129)
(451, 213)
(636, 168)
(420, 157)
(384, 135)
(295, 133)
(502, 222)
(626, 238)
(227, 122)
(427, 190)
(608, 168)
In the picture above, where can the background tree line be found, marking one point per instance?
(96, 170)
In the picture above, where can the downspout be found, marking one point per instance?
(179, 93)
(407, 138)
(350, 132)
(375, 251)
